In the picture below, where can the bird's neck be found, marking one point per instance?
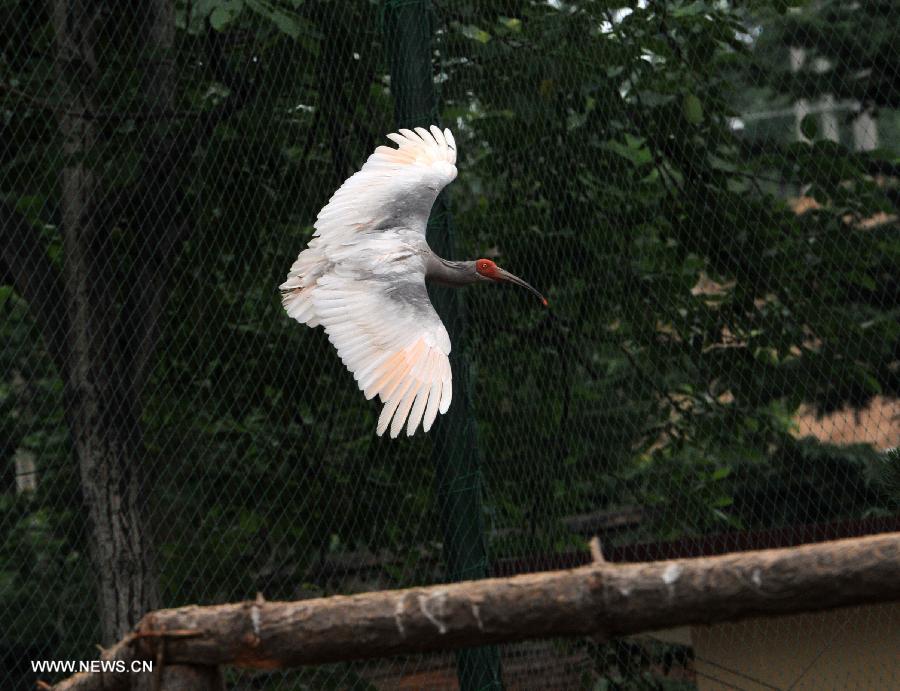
(449, 273)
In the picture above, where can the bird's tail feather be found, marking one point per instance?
(298, 305)
(297, 290)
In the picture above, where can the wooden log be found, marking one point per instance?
(188, 678)
(603, 599)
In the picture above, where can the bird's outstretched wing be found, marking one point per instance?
(395, 186)
(388, 335)
(363, 278)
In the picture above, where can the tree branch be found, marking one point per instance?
(107, 116)
(603, 599)
(24, 259)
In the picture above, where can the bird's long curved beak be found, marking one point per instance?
(503, 275)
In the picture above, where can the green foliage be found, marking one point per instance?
(850, 50)
(622, 188)
(692, 311)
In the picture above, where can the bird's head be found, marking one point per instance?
(489, 271)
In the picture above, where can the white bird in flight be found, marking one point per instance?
(363, 275)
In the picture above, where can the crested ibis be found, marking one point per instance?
(362, 277)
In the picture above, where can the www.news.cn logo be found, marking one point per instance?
(94, 666)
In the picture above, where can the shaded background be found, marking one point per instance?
(707, 193)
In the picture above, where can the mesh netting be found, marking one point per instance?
(706, 192)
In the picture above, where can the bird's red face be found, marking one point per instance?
(492, 272)
(487, 268)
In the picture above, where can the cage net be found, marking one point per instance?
(705, 191)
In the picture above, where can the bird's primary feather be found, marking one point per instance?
(362, 278)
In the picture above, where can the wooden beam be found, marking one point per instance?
(603, 599)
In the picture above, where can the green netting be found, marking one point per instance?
(707, 193)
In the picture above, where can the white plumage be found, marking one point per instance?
(362, 278)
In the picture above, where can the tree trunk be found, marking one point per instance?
(102, 410)
(108, 446)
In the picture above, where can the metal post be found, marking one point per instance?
(408, 30)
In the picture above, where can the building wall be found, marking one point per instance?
(878, 424)
(853, 648)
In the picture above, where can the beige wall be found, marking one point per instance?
(853, 648)
(878, 424)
